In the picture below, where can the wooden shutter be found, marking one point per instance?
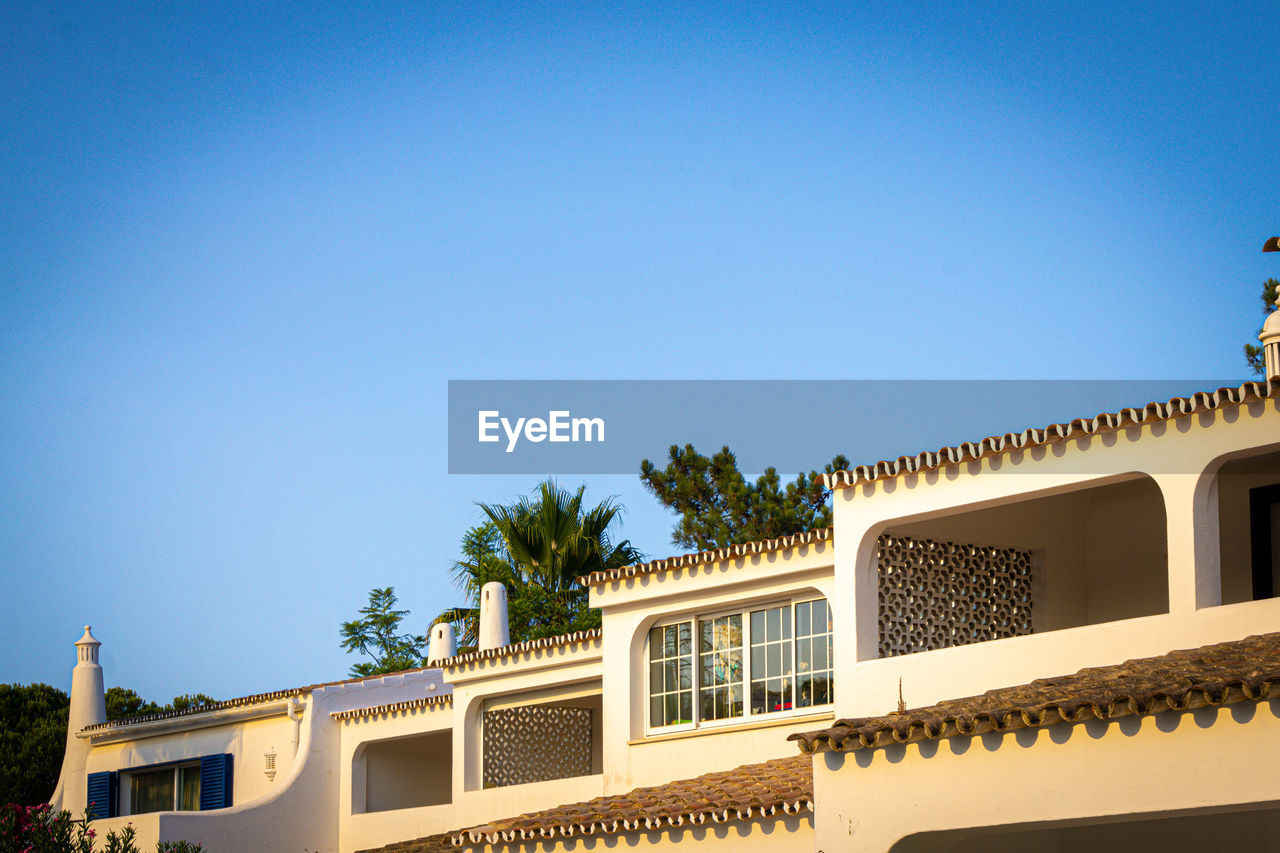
(101, 799)
(215, 782)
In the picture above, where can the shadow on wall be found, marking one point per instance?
(1206, 830)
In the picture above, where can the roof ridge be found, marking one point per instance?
(712, 555)
(572, 638)
(793, 794)
(1218, 674)
(253, 699)
(392, 707)
(240, 701)
(970, 451)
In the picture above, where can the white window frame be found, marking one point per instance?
(745, 610)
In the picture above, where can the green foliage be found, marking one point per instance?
(123, 703)
(39, 829)
(1253, 352)
(33, 734)
(377, 635)
(718, 506)
(538, 547)
(178, 847)
(189, 702)
(125, 842)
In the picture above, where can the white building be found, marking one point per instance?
(1007, 565)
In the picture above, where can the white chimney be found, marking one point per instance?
(88, 707)
(442, 644)
(1270, 338)
(494, 632)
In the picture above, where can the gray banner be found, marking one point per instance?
(606, 427)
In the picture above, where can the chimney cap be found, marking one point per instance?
(88, 639)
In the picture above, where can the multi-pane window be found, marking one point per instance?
(671, 675)
(748, 663)
(813, 653)
(772, 661)
(720, 667)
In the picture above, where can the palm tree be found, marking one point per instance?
(539, 547)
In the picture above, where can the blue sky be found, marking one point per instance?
(243, 248)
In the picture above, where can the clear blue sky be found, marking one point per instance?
(243, 248)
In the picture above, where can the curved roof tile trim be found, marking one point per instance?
(622, 825)
(1203, 401)
(576, 638)
(200, 709)
(783, 786)
(1245, 670)
(698, 558)
(394, 707)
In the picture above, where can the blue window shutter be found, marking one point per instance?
(215, 782)
(101, 795)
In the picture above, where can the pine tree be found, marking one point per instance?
(718, 506)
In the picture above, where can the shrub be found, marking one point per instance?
(39, 829)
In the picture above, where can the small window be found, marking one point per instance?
(749, 663)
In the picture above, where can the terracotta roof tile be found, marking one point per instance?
(200, 709)
(1203, 401)
(783, 785)
(253, 699)
(394, 707)
(730, 552)
(1240, 671)
(574, 639)
(780, 786)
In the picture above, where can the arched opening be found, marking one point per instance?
(406, 772)
(1074, 558)
(1249, 527)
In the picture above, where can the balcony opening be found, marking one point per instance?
(1070, 559)
(1249, 527)
(526, 743)
(408, 772)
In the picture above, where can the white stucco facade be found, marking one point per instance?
(1139, 542)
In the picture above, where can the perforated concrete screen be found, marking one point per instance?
(533, 743)
(939, 594)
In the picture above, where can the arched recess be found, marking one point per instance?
(403, 772)
(1247, 490)
(1085, 555)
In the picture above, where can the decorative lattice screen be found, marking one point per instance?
(533, 743)
(939, 594)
